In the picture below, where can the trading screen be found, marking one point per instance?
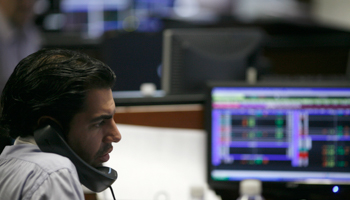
(280, 134)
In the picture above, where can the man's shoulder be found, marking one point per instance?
(28, 172)
(31, 154)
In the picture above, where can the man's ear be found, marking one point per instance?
(45, 120)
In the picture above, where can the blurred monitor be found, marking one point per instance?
(96, 17)
(193, 56)
(282, 134)
(134, 57)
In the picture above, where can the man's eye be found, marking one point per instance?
(100, 123)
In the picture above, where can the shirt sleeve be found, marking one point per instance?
(59, 185)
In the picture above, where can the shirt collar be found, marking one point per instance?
(25, 140)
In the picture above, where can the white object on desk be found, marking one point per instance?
(148, 89)
(158, 163)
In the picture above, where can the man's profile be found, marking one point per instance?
(71, 90)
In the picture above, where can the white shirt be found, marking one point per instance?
(15, 44)
(28, 173)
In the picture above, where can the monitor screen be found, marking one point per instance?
(96, 17)
(279, 132)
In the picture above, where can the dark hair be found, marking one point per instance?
(50, 82)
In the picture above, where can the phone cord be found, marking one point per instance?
(110, 187)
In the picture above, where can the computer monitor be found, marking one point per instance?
(96, 17)
(284, 134)
(134, 57)
(193, 56)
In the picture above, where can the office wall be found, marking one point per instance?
(159, 164)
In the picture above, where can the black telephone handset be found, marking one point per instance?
(50, 139)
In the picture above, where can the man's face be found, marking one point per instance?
(93, 130)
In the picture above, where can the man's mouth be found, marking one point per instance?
(105, 156)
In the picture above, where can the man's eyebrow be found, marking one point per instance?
(102, 117)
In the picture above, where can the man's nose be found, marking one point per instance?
(113, 134)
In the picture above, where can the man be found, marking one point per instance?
(73, 91)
